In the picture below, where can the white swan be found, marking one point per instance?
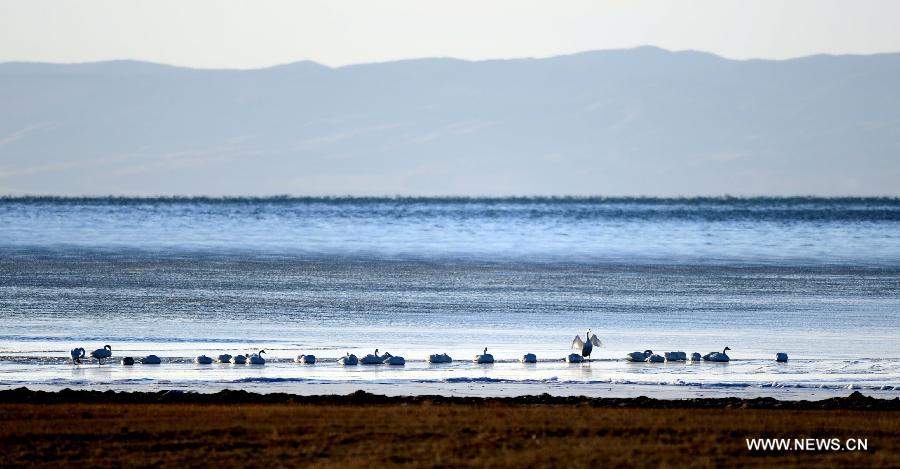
(375, 359)
(574, 358)
(717, 356)
(238, 360)
(528, 358)
(781, 357)
(695, 357)
(586, 347)
(128, 361)
(654, 358)
(439, 358)
(203, 360)
(77, 354)
(349, 360)
(676, 356)
(394, 360)
(151, 360)
(638, 356)
(256, 358)
(484, 358)
(306, 359)
(102, 353)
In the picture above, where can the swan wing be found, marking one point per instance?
(596, 341)
(577, 344)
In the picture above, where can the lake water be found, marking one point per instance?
(816, 278)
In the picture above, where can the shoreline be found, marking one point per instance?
(474, 389)
(23, 395)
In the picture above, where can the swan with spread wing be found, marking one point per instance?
(586, 347)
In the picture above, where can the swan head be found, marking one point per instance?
(376, 352)
(485, 350)
(107, 347)
(648, 352)
(726, 349)
(261, 352)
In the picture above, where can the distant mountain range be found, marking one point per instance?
(641, 121)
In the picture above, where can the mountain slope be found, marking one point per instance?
(628, 122)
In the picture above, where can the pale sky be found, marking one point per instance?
(252, 34)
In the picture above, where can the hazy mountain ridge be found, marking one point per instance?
(625, 122)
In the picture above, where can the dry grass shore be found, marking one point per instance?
(366, 430)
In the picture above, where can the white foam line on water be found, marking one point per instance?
(200, 384)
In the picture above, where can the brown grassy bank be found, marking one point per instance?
(424, 433)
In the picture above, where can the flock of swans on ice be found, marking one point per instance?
(583, 347)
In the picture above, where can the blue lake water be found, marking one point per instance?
(816, 278)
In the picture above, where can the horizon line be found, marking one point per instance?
(458, 59)
(399, 197)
